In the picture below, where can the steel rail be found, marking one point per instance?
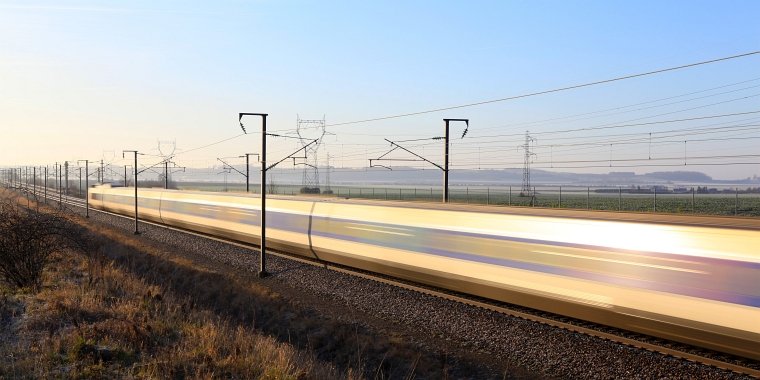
(447, 295)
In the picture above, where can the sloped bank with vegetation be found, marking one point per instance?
(67, 310)
(119, 305)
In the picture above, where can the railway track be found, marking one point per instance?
(734, 364)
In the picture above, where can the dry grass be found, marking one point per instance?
(92, 319)
(138, 309)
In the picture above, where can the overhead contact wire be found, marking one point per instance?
(548, 91)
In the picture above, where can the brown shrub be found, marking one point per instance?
(28, 238)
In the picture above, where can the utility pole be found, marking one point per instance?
(58, 170)
(86, 184)
(60, 185)
(137, 232)
(166, 174)
(46, 185)
(247, 170)
(526, 188)
(227, 168)
(264, 169)
(444, 168)
(446, 156)
(247, 174)
(66, 164)
(263, 260)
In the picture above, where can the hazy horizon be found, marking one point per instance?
(89, 79)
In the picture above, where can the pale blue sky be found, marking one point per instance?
(81, 77)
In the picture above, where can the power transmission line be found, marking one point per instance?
(672, 158)
(548, 91)
(619, 125)
(210, 145)
(545, 121)
(604, 126)
(632, 141)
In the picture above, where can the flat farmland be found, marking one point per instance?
(741, 203)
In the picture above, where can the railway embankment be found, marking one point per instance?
(141, 306)
(94, 316)
(364, 328)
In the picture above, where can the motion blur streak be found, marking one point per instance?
(688, 279)
(623, 262)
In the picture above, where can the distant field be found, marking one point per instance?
(730, 203)
(741, 204)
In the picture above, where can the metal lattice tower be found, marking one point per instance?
(309, 130)
(527, 190)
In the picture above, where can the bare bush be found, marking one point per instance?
(28, 238)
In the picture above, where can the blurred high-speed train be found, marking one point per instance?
(689, 279)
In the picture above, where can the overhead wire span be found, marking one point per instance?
(752, 127)
(544, 92)
(209, 145)
(592, 145)
(672, 112)
(600, 148)
(710, 126)
(619, 125)
(653, 165)
(600, 127)
(555, 162)
(530, 123)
